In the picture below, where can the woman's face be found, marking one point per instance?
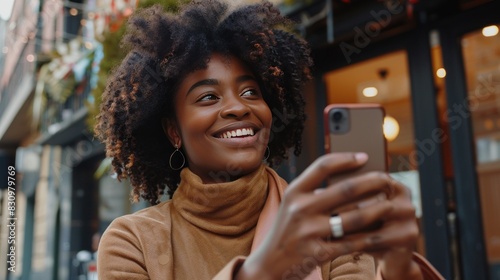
(222, 121)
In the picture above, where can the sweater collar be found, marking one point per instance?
(229, 208)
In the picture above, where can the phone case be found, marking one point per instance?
(356, 128)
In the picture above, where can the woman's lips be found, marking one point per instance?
(245, 141)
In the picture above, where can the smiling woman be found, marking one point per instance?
(192, 109)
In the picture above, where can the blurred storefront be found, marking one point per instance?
(434, 66)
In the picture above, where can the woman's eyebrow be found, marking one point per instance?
(245, 78)
(206, 82)
(214, 82)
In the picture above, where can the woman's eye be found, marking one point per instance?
(250, 92)
(208, 97)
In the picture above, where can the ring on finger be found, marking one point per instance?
(336, 226)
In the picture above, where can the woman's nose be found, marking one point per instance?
(234, 107)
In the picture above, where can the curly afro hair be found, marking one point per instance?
(162, 49)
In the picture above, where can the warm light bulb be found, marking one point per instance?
(391, 128)
(489, 124)
(73, 12)
(370, 91)
(30, 58)
(441, 73)
(490, 31)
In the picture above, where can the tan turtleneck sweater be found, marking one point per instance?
(204, 231)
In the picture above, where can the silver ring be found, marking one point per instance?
(336, 226)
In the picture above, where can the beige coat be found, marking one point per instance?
(205, 232)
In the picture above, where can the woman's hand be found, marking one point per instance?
(301, 237)
(394, 242)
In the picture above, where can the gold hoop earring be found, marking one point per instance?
(172, 155)
(267, 153)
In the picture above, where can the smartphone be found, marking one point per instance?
(356, 128)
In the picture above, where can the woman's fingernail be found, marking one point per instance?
(361, 157)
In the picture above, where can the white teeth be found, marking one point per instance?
(238, 132)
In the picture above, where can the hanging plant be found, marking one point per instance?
(113, 55)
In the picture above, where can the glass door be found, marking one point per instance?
(470, 47)
(481, 55)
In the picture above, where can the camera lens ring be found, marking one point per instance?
(337, 116)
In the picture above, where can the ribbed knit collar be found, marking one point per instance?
(230, 208)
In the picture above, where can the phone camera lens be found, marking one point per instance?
(337, 116)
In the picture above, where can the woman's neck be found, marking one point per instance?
(229, 174)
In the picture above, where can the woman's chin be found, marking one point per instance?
(247, 161)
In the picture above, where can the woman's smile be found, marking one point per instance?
(239, 134)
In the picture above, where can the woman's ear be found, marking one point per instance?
(171, 131)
